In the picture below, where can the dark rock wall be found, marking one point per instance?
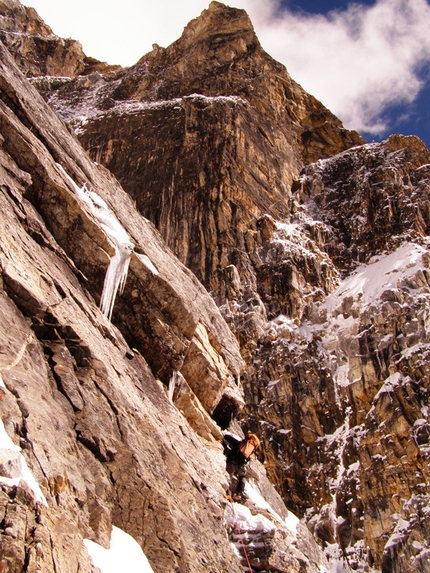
(223, 159)
(373, 199)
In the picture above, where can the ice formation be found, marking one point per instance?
(116, 274)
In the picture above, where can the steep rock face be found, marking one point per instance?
(340, 387)
(207, 136)
(220, 55)
(372, 198)
(169, 327)
(100, 441)
(336, 378)
(248, 112)
(86, 407)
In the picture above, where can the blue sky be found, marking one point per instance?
(320, 6)
(406, 117)
(368, 61)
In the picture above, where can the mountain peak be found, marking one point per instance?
(212, 57)
(219, 20)
(37, 50)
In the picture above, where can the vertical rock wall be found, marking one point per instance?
(94, 424)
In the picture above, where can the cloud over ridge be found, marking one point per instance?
(358, 61)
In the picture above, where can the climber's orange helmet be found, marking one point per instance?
(253, 439)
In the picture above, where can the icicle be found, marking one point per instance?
(116, 275)
(172, 384)
(175, 381)
(148, 263)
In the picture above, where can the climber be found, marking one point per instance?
(238, 453)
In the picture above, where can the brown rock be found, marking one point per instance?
(372, 197)
(87, 408)
(212, 98)
(208, 137)
(96, 427)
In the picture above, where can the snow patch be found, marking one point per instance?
(124, 554)
(341, 375)
(389, 385)
(370, 281)
(336, 561)
(420, 348)
(291, 239)
(86, 110)
(238, 515)
(291, 521)
(10, 455)
(398, 535)
(235, 436)
(8, 450)
(258, 500)
(211, 99)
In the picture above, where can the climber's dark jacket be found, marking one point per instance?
(238, 453)
(235, 458)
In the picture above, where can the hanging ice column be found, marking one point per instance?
(116, 274)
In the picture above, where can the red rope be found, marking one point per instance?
(241, 539)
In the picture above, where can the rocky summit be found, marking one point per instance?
(193, 246)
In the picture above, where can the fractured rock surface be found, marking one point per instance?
(314, 247)
(85, 400)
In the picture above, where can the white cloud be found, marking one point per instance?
(357, 61)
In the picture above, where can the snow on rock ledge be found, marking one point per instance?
(262, 540)
(14, 464)
(124, 554)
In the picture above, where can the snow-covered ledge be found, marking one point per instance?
(124, 554)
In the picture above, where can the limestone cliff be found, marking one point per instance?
(340, 386)
(94, 431)
(314, 247)
(84, 405)
(210, 104)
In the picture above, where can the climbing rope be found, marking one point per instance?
(241, 538)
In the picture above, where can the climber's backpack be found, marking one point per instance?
(246, 448)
